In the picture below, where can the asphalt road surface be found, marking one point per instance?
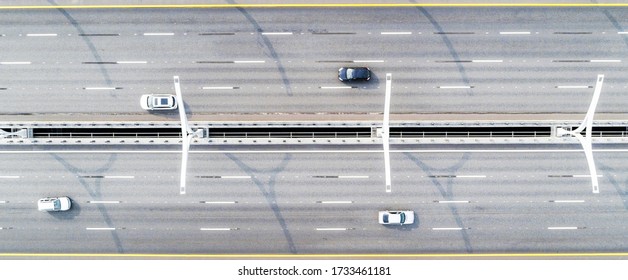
(314, 202)
(443, 60)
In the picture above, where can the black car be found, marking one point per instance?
(354, 74)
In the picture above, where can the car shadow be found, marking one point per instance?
(70, 214)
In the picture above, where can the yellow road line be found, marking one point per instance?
(327, 5)
(314, 256)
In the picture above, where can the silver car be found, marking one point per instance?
(158, 102)
(61, 203)
(398, 217)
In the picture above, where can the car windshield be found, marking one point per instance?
(385, 218)
(350, 73)
(57, 204)
(402, 217)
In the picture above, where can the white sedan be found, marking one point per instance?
(158, 102)
(62, 203)
(398, 217)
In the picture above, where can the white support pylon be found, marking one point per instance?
(385, 132)
(186, 135)
(587, 124)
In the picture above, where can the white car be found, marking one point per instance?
(62, 203)
(398, 217)
(158, 102)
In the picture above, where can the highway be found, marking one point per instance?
(312, 202)
(259, 61)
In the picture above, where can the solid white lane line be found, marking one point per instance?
(622, 32)
(215, 229)
(14, 62)
(335, 202)
(220, 202)
(219, 87)
(572, 87)
(368, 61)
(100, 88)
(89, 228)
(486, 60)
(235, 177)
(397, 33)
(312, 151)
(568, 201)
(249, 61)
(453, 87)
(453, 201)
(339, 87)
(276, 33)
(103, 201)
(331, 229)
(514, 33)
(449, 228)
(354, 177)
(586, 176)
(470, 176)
(605, 60)
(561, 228)
(9, 177)
(119, 177)
(41, 35)
(158, 34)
(132, 62)
(3, 201)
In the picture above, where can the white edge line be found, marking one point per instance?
(560, 228)
(515, 33)
(215, 229)
(447, 228)
(249, 61)
(220, 202)
(454, 201)
(100, 228)
(622, 32)
(9, 177)
(354, 177)
(569, 201)
(119, 177)
(235, 177)
(103, 201)
(158, 34)
(131, 62)
(487, 60)
(3, 201)
(336, 202)
(330, 229)
(15, 62)
(470, 176)
(310, 151)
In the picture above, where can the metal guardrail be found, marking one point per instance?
(313, 134)
(469, 134)
(107, 135)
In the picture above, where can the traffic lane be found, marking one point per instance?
(320, 90)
